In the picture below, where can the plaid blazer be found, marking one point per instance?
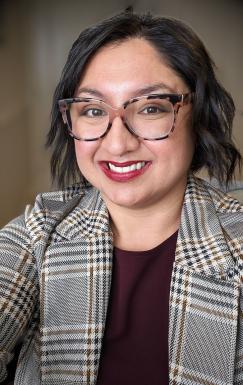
(55, 276)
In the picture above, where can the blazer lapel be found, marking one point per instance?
(75, 285)
(204, 297)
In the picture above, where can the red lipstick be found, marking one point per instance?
(109, 169)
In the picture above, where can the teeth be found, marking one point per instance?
(133, 167)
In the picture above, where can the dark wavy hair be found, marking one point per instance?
(212, 111)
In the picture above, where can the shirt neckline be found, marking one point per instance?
(154, 251)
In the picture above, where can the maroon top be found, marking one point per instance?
(135, 345)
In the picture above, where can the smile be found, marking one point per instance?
(126, 169)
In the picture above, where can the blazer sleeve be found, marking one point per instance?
(18, 287)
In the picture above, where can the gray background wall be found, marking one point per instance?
(35, 37)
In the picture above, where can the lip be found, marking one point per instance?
(124, 177)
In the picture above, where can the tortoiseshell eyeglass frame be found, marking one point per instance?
(177, 101)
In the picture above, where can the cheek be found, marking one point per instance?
(175, 152)
(85, 152)
(184, 149)
(184, 140)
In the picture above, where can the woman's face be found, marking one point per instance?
(117, 73)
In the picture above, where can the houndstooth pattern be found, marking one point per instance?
(55, 276)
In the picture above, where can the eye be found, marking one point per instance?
(150, 110)
(94, 112)
(153, 110)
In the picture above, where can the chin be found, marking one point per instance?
(124, 200)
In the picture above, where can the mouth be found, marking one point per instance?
(124, 171)
(125, 167)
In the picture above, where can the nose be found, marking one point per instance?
(119, 140)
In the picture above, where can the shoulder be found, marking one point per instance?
(228, 209)
(48, 210)
(203, 190)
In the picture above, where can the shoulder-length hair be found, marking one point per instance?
(212, 111)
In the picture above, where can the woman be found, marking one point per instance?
(97, 277)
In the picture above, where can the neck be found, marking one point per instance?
(143, 229)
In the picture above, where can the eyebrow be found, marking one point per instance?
(154, 88)
(147, 89)
(91, 91)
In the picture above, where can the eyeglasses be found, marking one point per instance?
(150, 117)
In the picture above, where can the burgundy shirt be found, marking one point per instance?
(135, 345)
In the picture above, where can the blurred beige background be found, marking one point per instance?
(35, 37)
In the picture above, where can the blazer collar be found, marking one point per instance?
(90, 217)
(202, 244)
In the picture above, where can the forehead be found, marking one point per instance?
(128, 49)
(127, 66)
